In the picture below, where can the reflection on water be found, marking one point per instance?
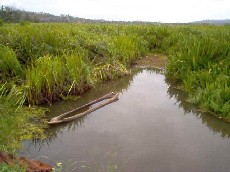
(117, 86)
(214, 124)
(150, 128)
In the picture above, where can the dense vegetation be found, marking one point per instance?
(202, 66)
(42, 63)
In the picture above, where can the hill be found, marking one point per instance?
(214, 22)
(12, 14)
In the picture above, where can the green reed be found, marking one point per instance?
(202, 65)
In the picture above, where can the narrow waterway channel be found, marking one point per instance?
(151, 128)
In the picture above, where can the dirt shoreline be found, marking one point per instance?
(30, 165)
(156, 60)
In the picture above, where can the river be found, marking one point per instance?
(150, 128)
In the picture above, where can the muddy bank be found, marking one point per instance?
(30, 165)
(157, 61)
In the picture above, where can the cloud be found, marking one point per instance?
(9, 2)
(145, 10)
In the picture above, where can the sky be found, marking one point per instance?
(167, 11)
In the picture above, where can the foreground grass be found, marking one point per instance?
(18, 122)
(43, 63)
(11, 168)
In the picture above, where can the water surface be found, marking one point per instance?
(151, 128)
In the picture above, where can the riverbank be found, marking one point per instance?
(21, 164)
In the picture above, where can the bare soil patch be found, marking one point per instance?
(152, 60)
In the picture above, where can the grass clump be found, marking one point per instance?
(43, 78)
(55, 76)
(202, 67)
(10, 67)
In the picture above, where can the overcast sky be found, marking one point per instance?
(131, 10)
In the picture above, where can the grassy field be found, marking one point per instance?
(43, 63)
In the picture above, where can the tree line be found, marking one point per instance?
(10, 14)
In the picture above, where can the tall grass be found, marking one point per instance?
(61, 59)
(53, 60)
(9, 64)
(202, 65)
(43, 78)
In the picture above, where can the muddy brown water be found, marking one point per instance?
(151, 128)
